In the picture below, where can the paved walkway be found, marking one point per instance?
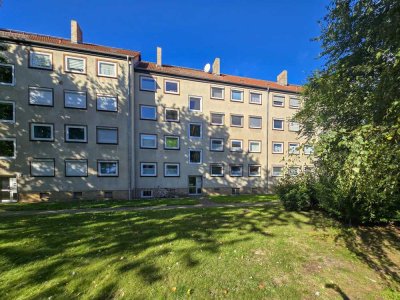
(203, 204)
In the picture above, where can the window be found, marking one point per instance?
(278, 124)
(7, 74)
(277, 147)
(236, 121)
(107, 103)
(236, 170)
(195, 130)
(77, 195)
(8, 148)
(171, 115)
(148, 169)
(41, 96)
(195, 103)
(235, 191)
(294, 171)
(75, 64)
(146, 194)
(76, 168)
(255, 122)
(107, 168)
(217, 145)
(217, 170)
(41, 60)
(148, 141)
(294, 103)
(42, 167)
(217, 119)
(76, 133)
(255, 98)
(171, 87)
(236, 145)
(106, 68)
(217, 93)
(195, 156)
(42, 132)
(277, 171)
(108, 194)
(147, 84)
(278, 101)
(294, 126)
(171, 170)
(148, 112)
(294, 148)
(171, 142)
(308, 149)
(255, 146)
(237, 95)
(7, 112)
(107, 135)
(308, 169)
(74, 99)
(254, 170)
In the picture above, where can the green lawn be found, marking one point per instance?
(228, 253)
(96, 204)
(243, 198)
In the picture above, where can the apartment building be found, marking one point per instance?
(79, 120)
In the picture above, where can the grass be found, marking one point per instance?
(222, 253)
(95, 204)
(243, 198)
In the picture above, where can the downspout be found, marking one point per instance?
(268, 142)
(128, 60)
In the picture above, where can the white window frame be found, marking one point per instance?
(171, 120)
(278, 119)
(38, 160)
(147, 77)
(201, 157)
(74, 57)
(14, 140)
(100, 96)
(201, 130)
(201, 103)
(279, 105)
(106, 128)
(232, 148)
(310, 152)
(255, 142)
(295, 152)
(275, 174)
(235, 165)
(253, 165)
(217, 87)
(146, 197)
(32, 53)
(283, 147)
(220, 114)
(107, 63)
(222, 169)
(13, 74)
(294, 106)
(13, 108)
(148, 135)
(237, 90)
(31, 88)
(171, 81)
(68, 140)
(149, 106)
(69, 161)
(66, 92)
(32, 131)
(255, 117)
(216, 139)
(172, 136)
(148, 163)
(292, 168)
(99, 162)
(255, 93)
(173, 164)
(242, 118)
(291, 124)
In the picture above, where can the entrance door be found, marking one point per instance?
(8, 189)
(195, 185)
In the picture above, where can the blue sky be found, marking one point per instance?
(253, 38)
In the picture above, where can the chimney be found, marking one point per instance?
(159, 56)
(216, 67)
(76, 32)
(282, 78)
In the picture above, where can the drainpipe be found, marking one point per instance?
(268, 142)
(128, 60)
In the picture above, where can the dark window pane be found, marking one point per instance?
(6, 111)
(76, 133)
(42, 132)
(195, 130)
(7, 148)
(6, 74)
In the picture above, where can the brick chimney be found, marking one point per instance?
(216, 67)
(282, 78)
(159, 56)
(76, 32)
